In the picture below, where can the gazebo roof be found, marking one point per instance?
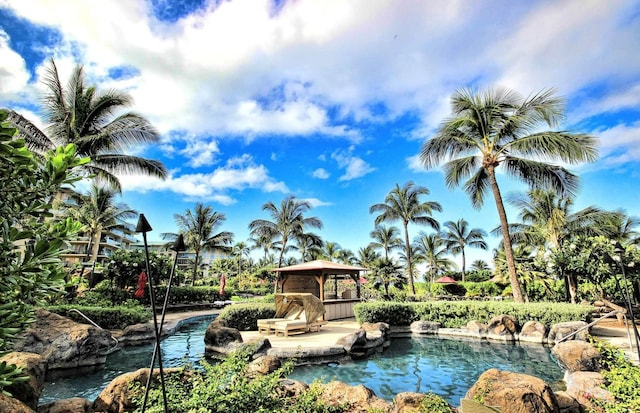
(320, 266)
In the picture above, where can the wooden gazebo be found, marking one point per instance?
(311, 277)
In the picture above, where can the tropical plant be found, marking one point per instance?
(199, 230)
(386, 238)
(98, 212)
(497, 128)
(366, 256)
(84, 116)
(287, 222)
(239, 250)
(458, 236)
(31, 240)
(431, 250)
(264, 239)
(404, 205)
(385, 273)
(345, 256)
(309, 244)
(331, 250)
(528, 269)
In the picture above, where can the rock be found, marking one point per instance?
(424, 327)
(35, 367)
(309, 355)
(577, 356)
(220, 340)
(117, 396)
(503, 327)
(263, 365)
(357, 338)
(585, 387)
(137, 334)
(293, 388)
(9, 404)
(476, 329)
(407, 402)
(260, 346)
(73, 405)
(359, 398)
(562, 330)
(64, 343)
(513, 392)
(567, 404)
(382, 327)
(533, 332)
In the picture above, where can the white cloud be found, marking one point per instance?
(354, 167)
(315, 202)
(320, 173)
(13, 71)
(238, 174)
(200, 152)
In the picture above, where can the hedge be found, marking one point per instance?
(244, 316)
(109, 318)
(455, 314)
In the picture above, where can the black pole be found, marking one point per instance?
(620, 251)
(144, 227)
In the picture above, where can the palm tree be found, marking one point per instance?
(404, 204)
(458, 236)
(431, 250)
(287, 221)
(345, 256)
(198, 228)
(308, 243)
(498, 127)
(385, 272)
(264, 239)
(331, 250)
(386, 238)
(240, 249)
(366, 256)
(82, 115)
(98, 212)
(479, 265)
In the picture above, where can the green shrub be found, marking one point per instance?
(482, 289)
(622, 379)
(455, 314)
(447, 289)
(109, 318)
(244, 316)
(432, 403)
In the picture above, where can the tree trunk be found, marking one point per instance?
(408, 247)
(195, 268)
(95, 248)
(463, 264)
(508, 249)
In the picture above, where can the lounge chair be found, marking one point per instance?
(265, 325)
(297, 326)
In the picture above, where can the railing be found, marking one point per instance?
(609, 314)
(112, 349)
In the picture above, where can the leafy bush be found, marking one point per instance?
(432, 403)
(455, 314)
(447, 289)
(482, 289)
(104, 294)
(109, 318)
(622, 379)
(244, 316)
(226, 387)
(125, 266)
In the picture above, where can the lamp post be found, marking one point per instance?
(619, 251)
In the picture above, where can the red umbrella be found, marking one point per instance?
(223, 283)
(446, 280)
(142, 283)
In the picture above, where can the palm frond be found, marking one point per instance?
(541, 174)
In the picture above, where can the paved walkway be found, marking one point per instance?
(329, 334)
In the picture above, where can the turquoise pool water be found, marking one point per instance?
(446, 367)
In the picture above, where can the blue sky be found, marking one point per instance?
(331, 100)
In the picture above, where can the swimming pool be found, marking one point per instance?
(446, 367)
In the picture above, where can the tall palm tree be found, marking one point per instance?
(385, 273)
(199, 230)
(458, 236)
(331, 250)
(386, 238)
(264, 239)
(345, 256)
(239, 250)
(308, 242)
(90, 119)
(479, 265)
(404, 204)
(431, 249)
(497, 128)
(98, 212)
(366, 256)
(287, 221)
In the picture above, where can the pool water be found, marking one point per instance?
(446, 367)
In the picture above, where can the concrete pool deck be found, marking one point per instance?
(332, 331)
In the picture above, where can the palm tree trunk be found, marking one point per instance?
(195, 268)
(506, 239)
(463, 264)
(95, 248)
(408, 247)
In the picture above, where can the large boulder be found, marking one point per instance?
(360, 399)
(533, 332)
(476, 329)
(355, 339)
(72, 405)
(587, 387)
(503, 327)
(64, 343)
(263, 365)
(577, 356)
(424, 327)
(513, 392)
(576, 329)
(137, 334)
(33, 366)
(9, 404)
(220, 340)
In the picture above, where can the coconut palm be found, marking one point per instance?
(497, 128)
(199, 230)
(308, 244)
(385, 273)
(345, 256)
(431, 249)
(264, 239)
(366, 256)
(458, 236)
(91, 119)
(479, 265)
(331, 250)
(239, 250)
(404, 204)
(98, 212)
(287, 221)
(386, 238)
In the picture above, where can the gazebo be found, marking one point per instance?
(311, 277)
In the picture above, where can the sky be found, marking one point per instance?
(331, 100)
